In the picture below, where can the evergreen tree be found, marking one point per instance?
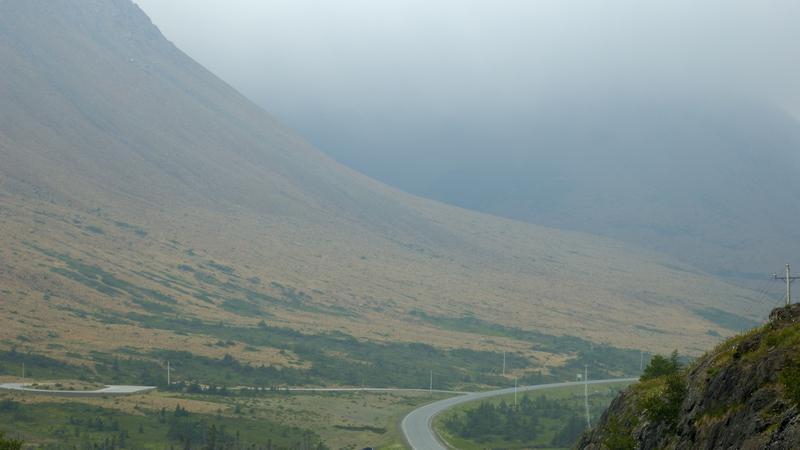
(9, 444)
(661, 366)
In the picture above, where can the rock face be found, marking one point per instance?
(736, 398)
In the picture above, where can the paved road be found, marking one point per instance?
(417, 426)
(108, 390)
(436, 391)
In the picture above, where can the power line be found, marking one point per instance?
(761, 292)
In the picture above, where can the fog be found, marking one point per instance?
(604, 116)
(376, 83)
(296, 56)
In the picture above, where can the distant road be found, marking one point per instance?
(108, 390)
(417, 426)
(436, 391)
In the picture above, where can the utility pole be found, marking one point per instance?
(515, 391)
(430, 389)
(641, 360)
(169, 382)
(788, 278)
(586, 394)
(504, 363)
(23, 373)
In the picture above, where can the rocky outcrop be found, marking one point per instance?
(735, 397)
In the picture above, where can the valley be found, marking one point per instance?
(152, 217)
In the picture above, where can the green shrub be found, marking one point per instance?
(664, 405)
(661, 366)
(9, 444)
(790, 378)
(619, 437)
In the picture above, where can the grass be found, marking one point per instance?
(341, 420)
(608, 361)
(347, 323)
(323, 359)
(345, 420)
(63, 425)
(115, 271)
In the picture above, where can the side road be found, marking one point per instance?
(106, 391)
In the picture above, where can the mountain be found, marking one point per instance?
(743, 394)
(707, 179)
(142, 198)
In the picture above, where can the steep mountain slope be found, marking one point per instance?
(709, 180)
(136, 188)
(742, 395)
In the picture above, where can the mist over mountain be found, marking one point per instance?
(709, 180)
(549, 112)
(136, 183)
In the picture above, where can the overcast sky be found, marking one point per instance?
(297, 55)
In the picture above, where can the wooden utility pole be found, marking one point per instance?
(586, 394)
(515, 391)
(788, 278)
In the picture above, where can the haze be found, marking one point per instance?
(534, 109)
(439, 57)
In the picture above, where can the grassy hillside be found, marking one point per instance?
(743, 394)
(147, 209)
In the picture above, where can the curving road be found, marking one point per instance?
(417, 426)
(363, 389)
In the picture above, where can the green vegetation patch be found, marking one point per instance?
(606, 361)
(108, 284)
(376, 430)
(70, 425)
(726, 319)
(94, 229)
(9, 444)
(660, 366)
(37, 366)
(242, 308)
(620, 433)
(664, 405)
(663, 389)
(554, 419)
(790, 379)
(136, 230)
